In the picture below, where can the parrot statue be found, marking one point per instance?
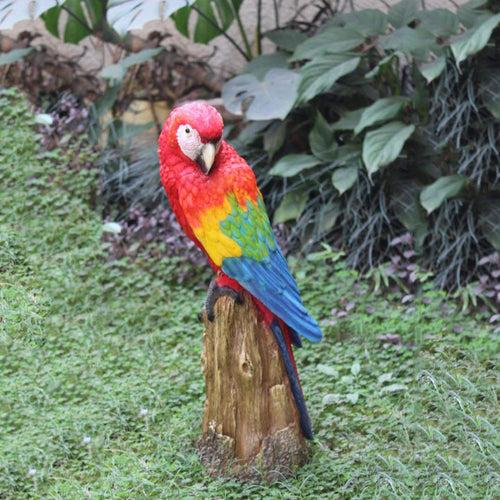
(214, 195)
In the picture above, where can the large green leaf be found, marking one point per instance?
(225, 10)
(14, 11)
(94, 12)
(332, 40)
(291, 207)
(344, 178)
(81, 18)
(474, 40)
(409, 40)
(267, 99)
(321, 139)
(51, 20)
(440, 22)
(383, 145)
(207, 25)
(385, 61)
(14, 55)
(381, 110)
(432, 70)
(260, 65)
(75, 30)
(349, 120)
(403, 13)
(213, 17)
(346, 154)
(117, 71)
(126, 15)
(435, 194)
(470, 12)
(291, 165)
(321, 73)
(238, 92)
(287, 39)
(181, 20)
(368, 22)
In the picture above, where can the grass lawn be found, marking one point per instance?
(101, 391)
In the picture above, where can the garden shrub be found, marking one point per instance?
(379, 124)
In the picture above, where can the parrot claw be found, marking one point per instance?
(215, 292)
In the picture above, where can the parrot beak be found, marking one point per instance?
(207, 157)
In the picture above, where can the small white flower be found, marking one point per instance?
(143, 413)
(31, 471)
(86, 440)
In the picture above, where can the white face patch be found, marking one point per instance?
(189, 141)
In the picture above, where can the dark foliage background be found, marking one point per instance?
(441, 184)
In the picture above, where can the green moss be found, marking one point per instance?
(101, 391)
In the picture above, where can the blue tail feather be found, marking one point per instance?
(295, 338)
(298, 395)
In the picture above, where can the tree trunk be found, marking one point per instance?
(251, 427)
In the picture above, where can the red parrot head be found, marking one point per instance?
(193, 131)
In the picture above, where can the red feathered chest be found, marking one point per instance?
(192, 193)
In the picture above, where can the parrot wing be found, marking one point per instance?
(242, 241)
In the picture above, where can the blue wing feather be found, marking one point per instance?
(270, 281)
(262, 269)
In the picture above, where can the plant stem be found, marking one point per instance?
(229, 38)
(258, 41)
(158, 124)
(77, 18)
(276, 14)
(242, 31)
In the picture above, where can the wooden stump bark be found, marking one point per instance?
(251, 427)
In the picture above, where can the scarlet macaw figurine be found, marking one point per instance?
(214, 194)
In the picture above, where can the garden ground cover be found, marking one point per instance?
(101, 391)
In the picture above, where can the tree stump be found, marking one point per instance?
(251, 427)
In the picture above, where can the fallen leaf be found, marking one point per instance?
(352, 398)
(112, 227)
(329, 399)
(385, 377)
(328, 370)
(394, 388)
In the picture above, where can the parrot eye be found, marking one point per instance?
(189, 141)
